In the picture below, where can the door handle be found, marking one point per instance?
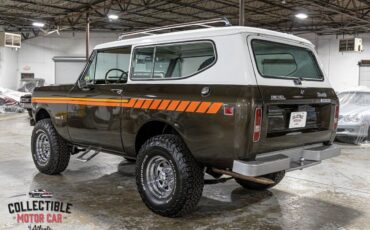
(117, 91)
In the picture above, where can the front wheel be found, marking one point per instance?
(276, 177)
(50, 151)
(169, 180)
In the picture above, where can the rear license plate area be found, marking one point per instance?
(297, 120)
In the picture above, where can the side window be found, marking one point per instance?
(142, 63)
(112, 66)
(174, 61)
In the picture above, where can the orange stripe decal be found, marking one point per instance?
(139, 103)
(155, 104)
(215, 107)
(130, 103)
(147, 104)
(203, 107)
(193, 106)
(173, 105)
(164, 104)
(182, 106)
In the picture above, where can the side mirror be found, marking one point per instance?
(84, 85)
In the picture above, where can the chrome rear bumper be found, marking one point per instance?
(288, 160)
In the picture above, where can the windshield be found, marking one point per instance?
(357, 98)
(279, 60)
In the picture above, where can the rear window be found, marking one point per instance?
(277, 60)
(172, 61)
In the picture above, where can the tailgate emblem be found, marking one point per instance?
(321, 94)
(277, 97)
(301, 92)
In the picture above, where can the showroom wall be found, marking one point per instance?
(8, 67)
(341, 67)
(36, 54)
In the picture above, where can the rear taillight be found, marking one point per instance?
(336, 117)
(257, 125)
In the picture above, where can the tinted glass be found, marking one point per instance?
(142, 64)
(173, 61)
(285, 61)
(112, 65)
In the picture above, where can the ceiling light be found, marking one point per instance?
(38, 24)
(301, 16)
(113, 17)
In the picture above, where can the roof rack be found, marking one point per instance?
(181, 26)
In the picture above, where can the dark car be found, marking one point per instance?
(239, 101)
(26, 103)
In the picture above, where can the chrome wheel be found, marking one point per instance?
(160, 177)
(42, 148)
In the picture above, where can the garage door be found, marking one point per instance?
(364, 74)
(67, 69)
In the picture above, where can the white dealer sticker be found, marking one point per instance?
(297, 120)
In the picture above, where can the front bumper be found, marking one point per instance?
(288, 160)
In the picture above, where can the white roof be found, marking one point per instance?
(200, 34)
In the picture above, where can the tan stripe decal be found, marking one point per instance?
(153, 104)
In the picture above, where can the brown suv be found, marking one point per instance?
(237, 101)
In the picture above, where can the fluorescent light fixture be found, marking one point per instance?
(38, 24)
(113, 17)
(301, 16)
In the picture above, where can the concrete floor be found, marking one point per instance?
(332, 195)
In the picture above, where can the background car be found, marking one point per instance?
(354, 116)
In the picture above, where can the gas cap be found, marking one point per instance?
(206, 91)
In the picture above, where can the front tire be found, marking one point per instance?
(276, 177)
(169, 180)
(50, 152)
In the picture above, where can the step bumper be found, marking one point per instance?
(288, 160)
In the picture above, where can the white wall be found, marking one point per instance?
(341, 67)
(8, 67)
(36, 54)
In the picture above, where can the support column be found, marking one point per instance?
(241, 12)
(87, 36)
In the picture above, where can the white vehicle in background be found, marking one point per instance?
(354, 115)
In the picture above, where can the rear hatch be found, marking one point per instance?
(298, 104)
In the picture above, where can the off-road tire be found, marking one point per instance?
(189, 176)
(60, 152)
(276, 177)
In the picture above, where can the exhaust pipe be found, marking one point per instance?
(260, 180)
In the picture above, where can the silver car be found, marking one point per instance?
(354, 116)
